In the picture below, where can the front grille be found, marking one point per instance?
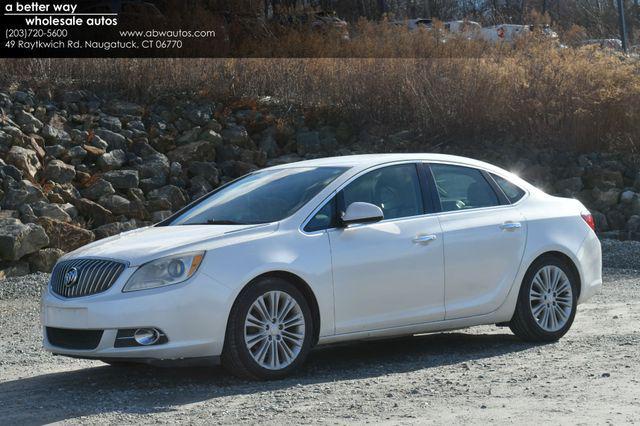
(74, 339)
(91, 276)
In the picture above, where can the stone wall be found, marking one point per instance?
(77, 167)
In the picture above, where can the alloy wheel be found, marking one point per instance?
(551, 298)
(274, 330)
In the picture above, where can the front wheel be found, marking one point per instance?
(270, 331)
(547, 301)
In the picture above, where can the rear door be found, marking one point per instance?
(484, 239)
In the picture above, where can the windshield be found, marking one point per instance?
(261, 197)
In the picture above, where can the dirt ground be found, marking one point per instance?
(474, 376)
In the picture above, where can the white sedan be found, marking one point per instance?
(262, 269)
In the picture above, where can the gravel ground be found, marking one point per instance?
(479, 375)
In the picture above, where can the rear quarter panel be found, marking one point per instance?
(554, 225)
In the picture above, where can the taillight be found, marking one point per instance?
(588, 217)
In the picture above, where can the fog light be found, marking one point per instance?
(146, 336)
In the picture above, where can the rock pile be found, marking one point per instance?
(77, 167)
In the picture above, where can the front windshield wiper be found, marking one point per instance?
(224, 222)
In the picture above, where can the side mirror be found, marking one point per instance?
(362, 213)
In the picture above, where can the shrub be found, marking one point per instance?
(583, 99)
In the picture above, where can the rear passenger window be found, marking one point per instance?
(512, 191)
(462, 188)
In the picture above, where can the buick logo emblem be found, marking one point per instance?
(70, 278)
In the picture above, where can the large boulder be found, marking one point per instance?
(44, 260)
(194, 151)
(112, 160)
(122, 179)
(7, 170)
(52, 211)
(111, 123)
(18, 239)
(25, 160)
(113, 139)
(236, 169)
(627, 197)
(115, 228)
(198, 187)
(13, 269)
(269, 145)
(206, 169)
(76, 154)
(198, 114)
(171, 193)
(212, 136)
(55, 136)
(308, 142)
(607, 198)
(602, 178)
(59, 171)
(616, 219)
(569, 186)
(21, 193)
(117, 204)
(28, 122)
(237, 135)
(93, 212)
(98, 189)
(160, 215)
(65, 236)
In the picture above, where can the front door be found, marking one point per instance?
(390, 273)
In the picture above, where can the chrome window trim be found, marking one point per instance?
(436, 214)
(450, 163)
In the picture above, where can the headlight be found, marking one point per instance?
(166, 271)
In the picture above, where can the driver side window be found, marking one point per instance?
(395, 189)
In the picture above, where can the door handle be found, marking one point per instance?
(425, 239)
(510, 226)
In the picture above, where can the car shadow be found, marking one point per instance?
(142, 389)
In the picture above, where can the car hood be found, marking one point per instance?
(145, 244)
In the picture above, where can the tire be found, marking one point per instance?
(532, 320)
(254, 348)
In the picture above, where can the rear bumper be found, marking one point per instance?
(192, 315)
(590, 264)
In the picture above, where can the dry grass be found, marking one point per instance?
(578, 99)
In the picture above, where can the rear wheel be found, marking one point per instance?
(547, 301)
(270, 331)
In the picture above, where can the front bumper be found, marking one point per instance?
(193, 316)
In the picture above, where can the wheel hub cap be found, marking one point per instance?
(274, 330)
(551, 298)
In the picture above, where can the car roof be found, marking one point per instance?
(369, 160)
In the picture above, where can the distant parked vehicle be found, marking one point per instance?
(325, 22)
(414, 24)
(511, 32)
(604, 43)
(463, 27)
